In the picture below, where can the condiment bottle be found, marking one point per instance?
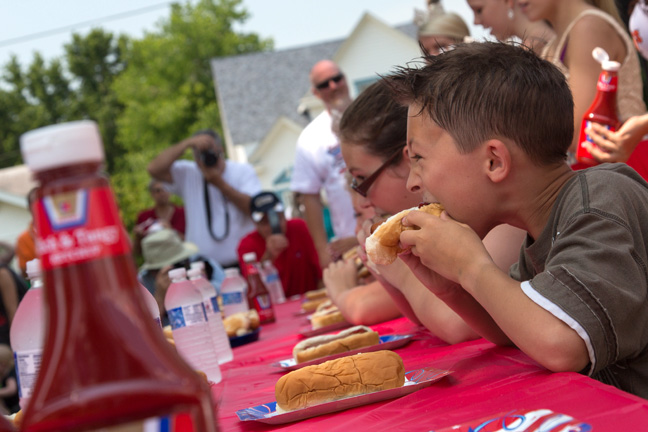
(105, 363)
(603, 110)
(257, 295)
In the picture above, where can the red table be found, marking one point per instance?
(487, 382)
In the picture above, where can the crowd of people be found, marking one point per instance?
(529, 251)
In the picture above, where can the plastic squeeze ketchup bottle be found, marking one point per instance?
(258, 295)
(603, 110)
(106, 365)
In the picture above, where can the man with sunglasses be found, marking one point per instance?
(319, 165)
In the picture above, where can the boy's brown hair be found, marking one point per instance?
(485, 90)
(376, 121)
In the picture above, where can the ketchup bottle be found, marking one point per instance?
(603, 111)
(258, 295)
(105, 364)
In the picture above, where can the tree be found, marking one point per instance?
(167, 88)
(95, 61)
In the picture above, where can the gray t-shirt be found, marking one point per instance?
(588, 268)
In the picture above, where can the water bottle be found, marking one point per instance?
(184, 305)
(151, 305)
(234, 292)
(216, 327)
(27, 334)
(273, 282)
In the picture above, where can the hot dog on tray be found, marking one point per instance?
(346, 340)
(383, 244)
(338, 379)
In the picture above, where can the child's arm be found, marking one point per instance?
(448, 249)
(433, 313)
(10, 389)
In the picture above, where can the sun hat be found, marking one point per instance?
(163, 248)
(264, 202)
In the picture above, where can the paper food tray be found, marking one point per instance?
(387, 342)
(414, 380)
(246, 338)
(310, 332)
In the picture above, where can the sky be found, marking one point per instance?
(27, 26)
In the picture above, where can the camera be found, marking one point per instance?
(209, 157)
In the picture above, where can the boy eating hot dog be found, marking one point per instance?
(489, 125)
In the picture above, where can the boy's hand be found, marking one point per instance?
(443, 247)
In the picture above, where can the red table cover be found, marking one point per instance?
(487, 384)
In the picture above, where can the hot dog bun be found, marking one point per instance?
(346, 340)
(339, 379)
(327, 313)
(383, 245)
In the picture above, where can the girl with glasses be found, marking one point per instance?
(373, 133)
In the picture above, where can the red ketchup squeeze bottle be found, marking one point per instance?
(105, 365)
(258, 295)
(603, 111)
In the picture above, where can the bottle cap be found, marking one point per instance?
(34, 269)
(62, 144)
(194, 273)
(200, 265)
(178, 274)
(611, 65)
(249, 257)
(232, 272)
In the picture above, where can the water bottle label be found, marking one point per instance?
(27, 364)
(177, 423)
(272, 277)
(232, 298)
(186, 316)
(214, 304)
(78, 226)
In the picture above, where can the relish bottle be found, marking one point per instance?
(106, 365)
(257, 294)
(603, 111)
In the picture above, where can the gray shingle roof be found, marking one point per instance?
(256, 89)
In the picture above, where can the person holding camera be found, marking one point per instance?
(216, 192)
(287, 243)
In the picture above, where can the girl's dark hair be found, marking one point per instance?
(376, 121)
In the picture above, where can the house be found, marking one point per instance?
(265, 99)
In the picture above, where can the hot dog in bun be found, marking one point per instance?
(346, 340)
(383, 244)
(327, 314)
(339, 379)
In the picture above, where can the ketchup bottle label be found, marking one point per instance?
(78, 226)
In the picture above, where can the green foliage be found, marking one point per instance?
(167, 88)
(145, 94)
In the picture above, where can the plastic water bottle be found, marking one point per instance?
(273, 282)
(27, 334)
(184, 305)
(234, 292)
(151, 305)
(216, 327)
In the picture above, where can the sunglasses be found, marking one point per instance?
(363, 188)
(325, 84)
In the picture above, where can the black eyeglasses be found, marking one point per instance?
(325, 84)
(363, 188)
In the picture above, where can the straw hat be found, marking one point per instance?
(163, 248)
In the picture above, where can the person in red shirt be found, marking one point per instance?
(287, 243)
